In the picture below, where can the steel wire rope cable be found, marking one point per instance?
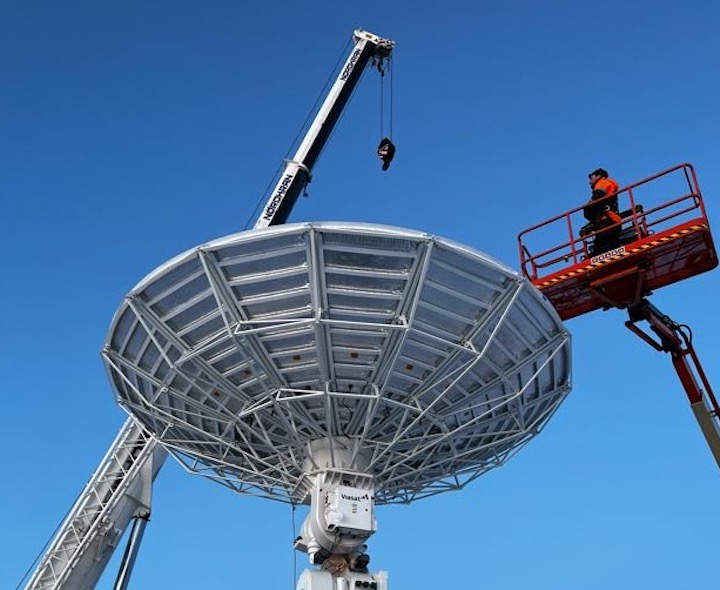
(382, 100)
(392, 95)
(294, 142)
(382, 104)
(293, 576)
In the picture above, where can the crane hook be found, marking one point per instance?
(386, 152)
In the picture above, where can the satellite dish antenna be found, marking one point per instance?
(341, 366)
(335, 365)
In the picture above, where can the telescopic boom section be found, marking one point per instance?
(676, 340)
(297, 172)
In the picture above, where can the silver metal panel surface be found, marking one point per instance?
(430, 360)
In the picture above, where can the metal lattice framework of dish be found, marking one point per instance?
(426, 362)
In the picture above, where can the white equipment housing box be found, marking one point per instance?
(349, 509)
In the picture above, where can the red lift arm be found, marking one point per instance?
(676, 339)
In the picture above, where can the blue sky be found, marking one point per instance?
(133, 131)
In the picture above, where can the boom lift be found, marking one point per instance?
(659, 244)
(119, 491)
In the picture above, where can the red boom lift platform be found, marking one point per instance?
(661, 242)
(664, 237)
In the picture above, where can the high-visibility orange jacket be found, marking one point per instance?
(609, 207)
(606, 186)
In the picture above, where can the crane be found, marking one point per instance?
(659, 243)
(297, 172)
(119, 492)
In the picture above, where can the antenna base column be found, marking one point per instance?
(347, 580)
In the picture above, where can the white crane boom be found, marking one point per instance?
(120, 488)
(297, 172)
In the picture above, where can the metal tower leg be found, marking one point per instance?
(128, 560)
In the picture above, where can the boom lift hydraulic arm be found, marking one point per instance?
(676, 339)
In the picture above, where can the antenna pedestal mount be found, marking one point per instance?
(342, 502)
(341, 518)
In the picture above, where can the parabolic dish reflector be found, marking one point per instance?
(426, 361)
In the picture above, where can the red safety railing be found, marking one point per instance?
(648, 207)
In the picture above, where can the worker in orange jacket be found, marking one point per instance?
(602, 212)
